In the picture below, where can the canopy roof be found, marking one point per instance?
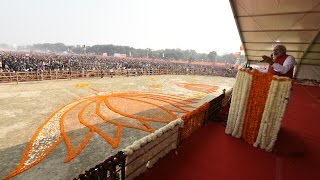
(294, 23)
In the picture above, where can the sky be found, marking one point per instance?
(202, 25)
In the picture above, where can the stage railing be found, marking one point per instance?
(113, 168)
(215, 106)
(308, 82)
(201, 115)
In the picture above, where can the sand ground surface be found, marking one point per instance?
(58, 129)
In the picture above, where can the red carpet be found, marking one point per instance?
(211, 154)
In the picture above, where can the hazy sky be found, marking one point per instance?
(202, 25)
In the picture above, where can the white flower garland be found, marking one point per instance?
(162, 138)
(273, 113)
(284, 99)
(272, 116)
(234, 102)
(237, 132)
(267, 113)
(151, 137)
(238, 104)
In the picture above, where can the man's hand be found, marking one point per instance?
(267, 59)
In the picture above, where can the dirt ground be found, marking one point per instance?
(32, 115)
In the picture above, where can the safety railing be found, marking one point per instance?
(113, 168)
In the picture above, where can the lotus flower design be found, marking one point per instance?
(98, 114)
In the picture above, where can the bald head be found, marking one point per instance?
(279, 51)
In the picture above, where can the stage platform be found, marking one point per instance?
(58, 129)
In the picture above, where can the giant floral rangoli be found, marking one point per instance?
(107, 115)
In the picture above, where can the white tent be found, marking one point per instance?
(293, 23)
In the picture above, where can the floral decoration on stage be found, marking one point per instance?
(257, 107)
(194, 120)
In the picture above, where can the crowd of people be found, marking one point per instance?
(30, 62)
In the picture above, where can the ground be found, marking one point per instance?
(57, 129)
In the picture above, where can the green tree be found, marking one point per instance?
(212, 56)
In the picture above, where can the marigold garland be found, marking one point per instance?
(257, 107)
(193, 120)
(256, 103)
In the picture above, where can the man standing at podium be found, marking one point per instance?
(280, 63)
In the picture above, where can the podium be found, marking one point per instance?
(258, 104)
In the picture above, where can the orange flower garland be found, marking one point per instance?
(193, 120)
(256, 104)
(257, 107)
